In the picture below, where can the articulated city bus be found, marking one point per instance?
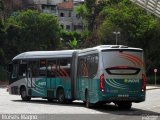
(102, 74)
(111, 74)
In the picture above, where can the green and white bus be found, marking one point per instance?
(45, 74)
(102, 74)
(112, 73)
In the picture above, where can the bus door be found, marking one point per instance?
(32, 74)
(92, 65)
(84, 81)
(29, 75)
(51, 74)
(88, 71)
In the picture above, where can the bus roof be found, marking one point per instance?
(109, 47)
(44, 54)
(68, 53)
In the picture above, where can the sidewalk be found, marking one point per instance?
(152, 87)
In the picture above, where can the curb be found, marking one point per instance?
(153, 88)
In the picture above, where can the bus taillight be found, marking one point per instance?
(144, 82)
(102, 82)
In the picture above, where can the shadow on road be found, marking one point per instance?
(112, 109)
(107, 108)
(77, 104)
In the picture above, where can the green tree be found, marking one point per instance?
(69, 37)
(73, 43)
(1, 5)
(31, 30)
(137, 28)
(89, 13)
(81, 11)
(2, 42)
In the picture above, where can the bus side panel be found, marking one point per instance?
(14, 87)
(39, 87)
(94, 88)
(63, 76)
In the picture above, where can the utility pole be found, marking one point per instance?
(116, 33)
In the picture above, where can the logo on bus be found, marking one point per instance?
(131, 81)
(42, 83)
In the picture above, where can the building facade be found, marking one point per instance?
(65, 10)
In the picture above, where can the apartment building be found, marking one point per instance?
(13, 5)
(64, 10)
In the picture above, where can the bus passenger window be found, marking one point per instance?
(15, 71)
(93, 65)
(51, 68)
(64, 67)
(42, 68)
(22, 69)
(82, 69)
(33, 68)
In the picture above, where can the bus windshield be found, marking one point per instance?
(122, 62)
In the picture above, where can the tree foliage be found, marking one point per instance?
(2, 42)
(1, 5)
(73, 43)
(130, 20)
(137, 28)
(30, 30)
(26, 31)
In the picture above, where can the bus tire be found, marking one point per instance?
(125, 105)
(68, 101)
(24, 96)
(61, 96)
(50, 100)
(87, 103)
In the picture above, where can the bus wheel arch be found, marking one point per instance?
(60, 95)
(23, 93)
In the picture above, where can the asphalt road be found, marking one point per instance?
(12, 108)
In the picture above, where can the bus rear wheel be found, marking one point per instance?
(61, 96)
(24, 96)
(50, 99)
(124, 105)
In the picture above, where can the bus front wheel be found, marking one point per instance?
(24, 96)
(61, 96)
